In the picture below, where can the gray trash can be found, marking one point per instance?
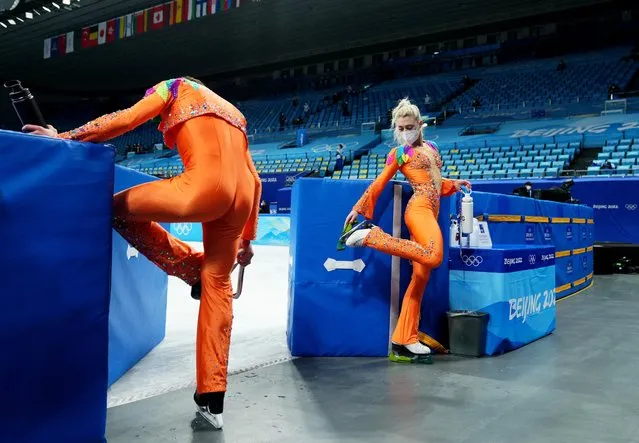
(467, 332)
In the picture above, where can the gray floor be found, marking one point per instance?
(580, 384)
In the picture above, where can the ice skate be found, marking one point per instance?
(210, 407)
(355, 237)
(413, 353)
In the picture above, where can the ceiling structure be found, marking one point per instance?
(258, 33)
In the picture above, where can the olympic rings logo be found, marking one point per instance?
(631, 206)
(183, 228)
(532, 259)
(472, 260)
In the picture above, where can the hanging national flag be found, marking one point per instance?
(102, 29)
(121, 27)
(47, 48)
(129, 25)
(217, 6)
(89, 37)
(227, 5)
(180, 11)
(237, 3)
(157, 17)
(70, 42)
(201, 8)
(190, 9)
(171, 9)
(141, 20)
(112, 30)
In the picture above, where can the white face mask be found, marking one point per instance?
(408, 136)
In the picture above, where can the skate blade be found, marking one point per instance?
(433, 344)
(417, 359)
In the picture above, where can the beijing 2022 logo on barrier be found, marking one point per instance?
(631, 206)
(569, 233)
(472, 260)
(183, 228)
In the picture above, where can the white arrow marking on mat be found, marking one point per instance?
(356, 265)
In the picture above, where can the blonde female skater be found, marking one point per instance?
(420, 162)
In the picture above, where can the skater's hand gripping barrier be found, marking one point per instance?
(55, 230)
(345, 303)
(137, 319)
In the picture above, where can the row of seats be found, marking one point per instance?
(470, 175)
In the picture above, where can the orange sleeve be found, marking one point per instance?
(250, 228)
(366, 204)
(448, 187)
(117, 123)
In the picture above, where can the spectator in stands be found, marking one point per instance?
(613, 89)
(264, 207)
(427, 100)
(339, 157)
(561, 66)
(524, 191)
(607, 165)
(421, 163)
(282, 121)
(224, 197)
(307, 109)
(476, 103)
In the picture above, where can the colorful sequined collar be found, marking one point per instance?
(401, 154)
(170, 87)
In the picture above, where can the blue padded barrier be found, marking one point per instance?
(519, 220)
(55, 227)
(342, 312)
(137, 319)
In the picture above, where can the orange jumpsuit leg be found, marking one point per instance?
(425, 251)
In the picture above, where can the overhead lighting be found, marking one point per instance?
(11, 21)
(28, 15)
(66, 2)
(36, 12)
(46, 9)
(55, 4)
(3, 25)
(20, 20)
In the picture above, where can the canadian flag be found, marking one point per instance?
(157, 17)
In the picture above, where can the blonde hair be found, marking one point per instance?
(403, 109)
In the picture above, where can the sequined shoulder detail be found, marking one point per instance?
(188, 100)
(401, 155)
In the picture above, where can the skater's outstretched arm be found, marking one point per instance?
(117, 123)
(366, 204)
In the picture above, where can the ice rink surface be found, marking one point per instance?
(258, 337)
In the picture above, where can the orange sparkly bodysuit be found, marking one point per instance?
(219, 188)
(422, 168)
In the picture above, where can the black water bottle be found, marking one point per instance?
(24, 104)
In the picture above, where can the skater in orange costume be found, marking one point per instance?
(420, 162)
(219, 188)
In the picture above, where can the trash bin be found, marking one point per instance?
(467, 332)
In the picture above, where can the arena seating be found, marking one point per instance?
(368, 106)
(479, 161)
(514, 91)
(622, 154)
